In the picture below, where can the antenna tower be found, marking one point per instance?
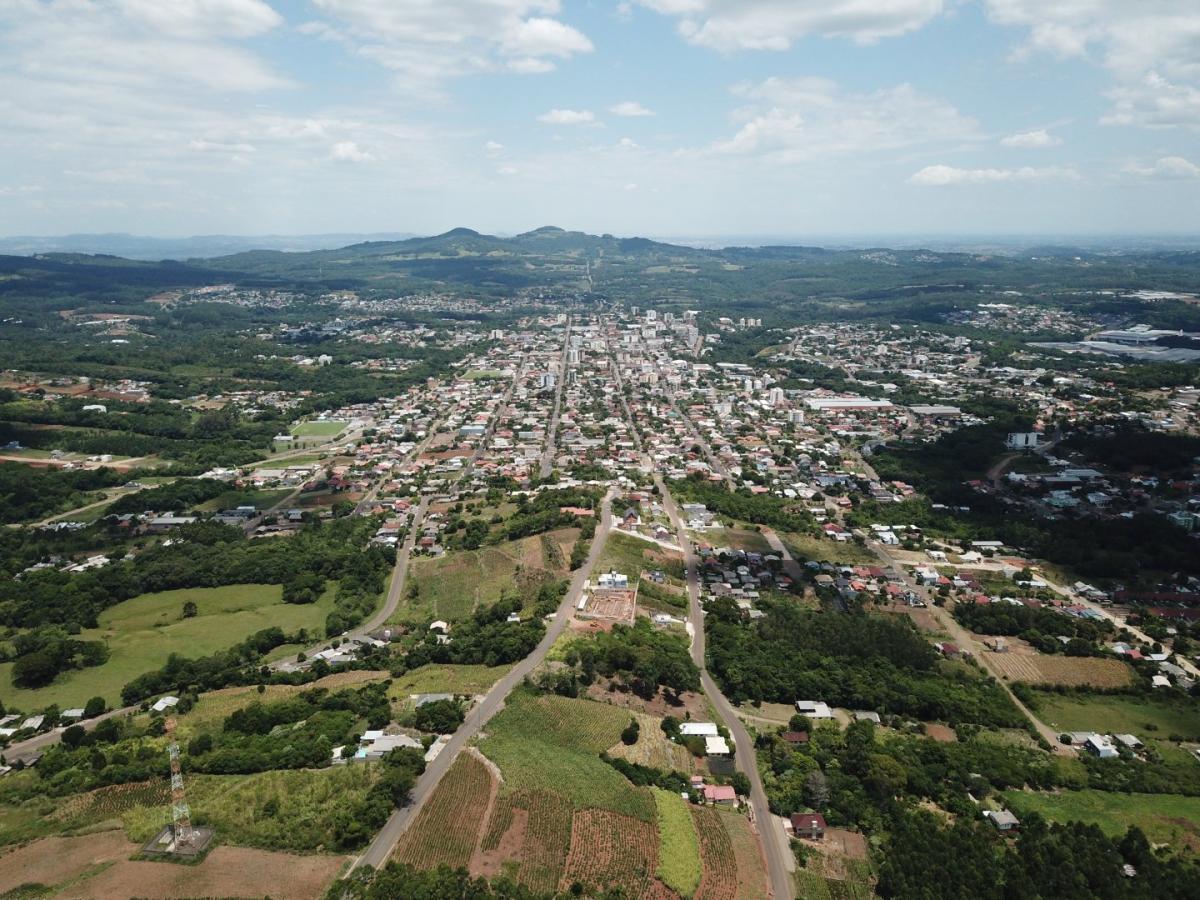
(181, 817)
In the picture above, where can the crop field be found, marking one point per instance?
(544, 821)
(551, 742)
(319, 429)
(720, 881)
(142, 632)
(751, 871)
(1068, 671)
(679, 865)
(1165, 818)
(609, 850)
(446, 829)
(107, 803)
(1134, 715)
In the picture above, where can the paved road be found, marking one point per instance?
(780, 862)
(381, 848)
(552, 432)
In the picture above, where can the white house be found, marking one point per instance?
(1101, 746)
(814, 709)
(703, 729)
(716, 746)
(164, 704)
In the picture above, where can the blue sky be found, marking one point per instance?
(657, 117)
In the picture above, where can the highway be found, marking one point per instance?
(385, 842)
(547, 463)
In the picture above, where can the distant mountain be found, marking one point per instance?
(132, 246)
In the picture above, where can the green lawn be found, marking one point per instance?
(141, 633)
(679, 849)
(552, 743)
(737, 539)
(483, 374)
(318, 429)
(1165, 818)
(1134, 715)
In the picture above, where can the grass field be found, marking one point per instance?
(1165, 818)
(319, 429)
(483, 374)
(142, 632)
(806, 547)
(451, 587)
(678, 848)
(231, 499)
(1117, 713)
(445, 679)
(553, 743)
(737, 539)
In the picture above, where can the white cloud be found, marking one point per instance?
(629, 108)
(1030, 140)
(567, 117)
(1154, 102)
(493, 148)
(203, 18)
(729, 25)
(792, 120)
(944, 176)
(1167, 167)
(428, 41)
(1150, 46)
(349, 152)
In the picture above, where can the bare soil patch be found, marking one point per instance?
(942, 733)
(660, 705)
(54, 860)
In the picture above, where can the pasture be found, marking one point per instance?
(1165, 818)
(143, 631)
(809, 547)
(1142, 716)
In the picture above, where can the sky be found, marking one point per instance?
(650, 117)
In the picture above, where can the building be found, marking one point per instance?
(1100, 746)
(808, 825)
(814, 709)
(1022, 440)
(1002, 819)
(722, 794)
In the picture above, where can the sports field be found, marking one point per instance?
(318, 429)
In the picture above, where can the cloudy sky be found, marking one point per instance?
(659, 117)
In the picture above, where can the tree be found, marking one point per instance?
(94, 707)
(74, 736)
(34, 670)
(629, 736)
(190, 609)
(816, 789)
(440, 716)
(741, 783)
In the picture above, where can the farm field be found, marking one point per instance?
(451, 587)
(807, 546)
(679, 849)
(447, 828)
(747, 854)
(1165, 818)
(1118, 713)
(1069, 671)
(99, 866)
(550, 742)
(143, 631)
(612, 851)
(319, 429)
(653, 748)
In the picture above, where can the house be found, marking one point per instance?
(165, 703)
(814, 709)
(1100, 746)
(808, 825)
(722, 794)
(716, 746)
(1002, 819)
(795, 737)
(862, 715)
(72, 714)
(159, 524)
(702, 729)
